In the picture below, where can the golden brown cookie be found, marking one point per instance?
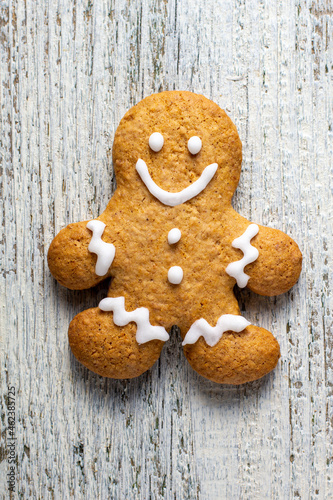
(175, 248)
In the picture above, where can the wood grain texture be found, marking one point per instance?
(69, 70)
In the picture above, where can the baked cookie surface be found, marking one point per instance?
(174, 248)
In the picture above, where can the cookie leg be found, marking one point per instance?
(237, 357)
(110, 350)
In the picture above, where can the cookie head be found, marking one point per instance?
(177, 141)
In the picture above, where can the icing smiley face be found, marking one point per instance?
(156, 142)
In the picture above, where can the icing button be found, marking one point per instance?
(175, 275)
(174, 236)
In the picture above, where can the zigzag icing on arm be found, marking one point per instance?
(105, 251)
(212, 334)
(145, 331)
(173, 199)
(236, 269)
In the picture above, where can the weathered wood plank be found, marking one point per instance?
(68, 72)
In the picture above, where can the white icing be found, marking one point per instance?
(156, 142)
(226, 322)
(105, 251)
(173, 199)
(145, 331)
(175, 275)
(236, 269)
(194, 145)
(174, 236)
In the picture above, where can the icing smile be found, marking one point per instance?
(173, 199)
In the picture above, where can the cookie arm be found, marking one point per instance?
(278, 265)
(272, 262)
(70, 261)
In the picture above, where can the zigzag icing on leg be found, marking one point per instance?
(212, 334)
(145, 331)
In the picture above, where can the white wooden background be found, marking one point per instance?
(69, 71)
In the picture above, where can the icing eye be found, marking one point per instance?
(156, 142)
(194, 145)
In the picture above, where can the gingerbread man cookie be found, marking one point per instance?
(174, 248)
